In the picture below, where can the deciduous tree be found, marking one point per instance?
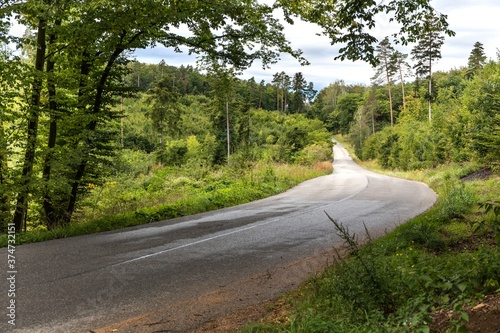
(85, 45)
(482, 101)
(91, 40)
(349, 22)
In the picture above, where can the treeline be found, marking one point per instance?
(436, 118)
(288, 93)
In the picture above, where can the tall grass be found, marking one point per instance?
(169, 192)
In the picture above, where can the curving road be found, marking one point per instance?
(175, 275)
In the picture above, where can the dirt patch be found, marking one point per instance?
(484, 317)
(238, 319)
(473, 243)
(481, 174)
(227, 308)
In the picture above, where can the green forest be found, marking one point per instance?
(86, 131)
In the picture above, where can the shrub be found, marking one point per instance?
(173, 153)
(317, 152)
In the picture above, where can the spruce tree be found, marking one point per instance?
(477, 60)
(299, 87)
(427, 51)
(386, 68)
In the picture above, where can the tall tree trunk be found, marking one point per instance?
(4, 197)
(284, 100)
(402, 86)
(122, 141)
(260, 98)
(430, 88)
(48, 205)
(33, 116)
(278, 98)
(228, 134)
(91, 127)
(389, 90)
(373, 121)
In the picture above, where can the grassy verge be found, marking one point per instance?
(173, 192)
(438, 263)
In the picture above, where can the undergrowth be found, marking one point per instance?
(170, 192)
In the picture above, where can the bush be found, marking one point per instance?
(133, 162)
(173, 153)
(317, 152)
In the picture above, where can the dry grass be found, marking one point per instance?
(323, 166)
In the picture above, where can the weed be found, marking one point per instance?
(491, 219)
(458, 201)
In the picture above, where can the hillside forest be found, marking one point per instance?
(89, 134)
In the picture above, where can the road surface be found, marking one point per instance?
(175, 275)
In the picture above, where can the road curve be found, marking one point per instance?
(178, 274)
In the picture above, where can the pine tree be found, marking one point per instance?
(403, 68)
(427, 51)
(282, 83)
(477, 60)
(387, 68)
(299, 87)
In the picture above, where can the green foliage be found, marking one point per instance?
(168, 192)
(412, 145)
(429, 45)
(481, 101)
(132, 163)
(386, 69)
(163, 110)
(477, 60)
(341, 117)
(459, 198)
(465, 126)
(173, 153)
(317, 152)
(78, 60)
(287, 138)
(346, 22)
(491, 219)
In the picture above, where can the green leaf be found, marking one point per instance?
(462, 286)
(425, 329)
(497, 238)
(447, 285)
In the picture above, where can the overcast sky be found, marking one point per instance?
(472, 20)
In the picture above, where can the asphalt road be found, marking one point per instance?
(93, 282)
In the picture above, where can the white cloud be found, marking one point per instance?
(470, 19)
